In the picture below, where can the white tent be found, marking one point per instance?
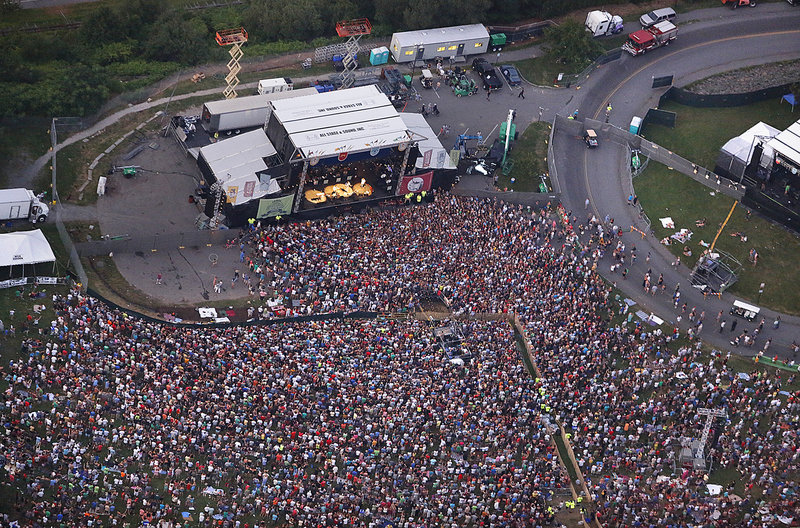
(742, 146)
(24, 247)
(735, 155)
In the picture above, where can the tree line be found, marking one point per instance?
(126, 46)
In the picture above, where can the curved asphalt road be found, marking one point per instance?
(762, 35)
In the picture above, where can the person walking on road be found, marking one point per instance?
(488, 93)
(522, 93)
(733, 325)
(586, 204)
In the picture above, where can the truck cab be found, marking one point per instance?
(39, 211)
(22, 204)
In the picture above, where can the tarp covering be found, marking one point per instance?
(735, 155)
(25, 247)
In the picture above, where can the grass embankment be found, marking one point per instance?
(530, 160)
(662, 192)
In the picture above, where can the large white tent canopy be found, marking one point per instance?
(742, 146)
(24, 247)
(427, 141)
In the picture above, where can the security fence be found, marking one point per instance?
(689, 98)
(154, 243)
(74, 259)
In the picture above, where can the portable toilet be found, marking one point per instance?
(636, 123)
(378, 56)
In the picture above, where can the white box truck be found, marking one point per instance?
(18, 204)
(600, 23)
(281, 84)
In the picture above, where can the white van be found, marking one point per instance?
(659, 15)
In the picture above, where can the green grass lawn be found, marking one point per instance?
(529, 155)
(715, 126)
(544, 70)
(663, 192)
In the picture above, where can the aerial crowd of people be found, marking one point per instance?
(112, 420)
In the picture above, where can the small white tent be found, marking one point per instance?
(23, 248)
(735, 155)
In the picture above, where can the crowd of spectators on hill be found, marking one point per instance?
(354, 423)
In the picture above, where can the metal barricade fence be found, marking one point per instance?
(74, 259)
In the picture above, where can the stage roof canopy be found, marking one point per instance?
(236, 163)
(344, 121)
(427, 141)
(787, 144)
(24, 247)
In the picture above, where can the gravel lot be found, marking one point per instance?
(749, 79)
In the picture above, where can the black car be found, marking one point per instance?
(491, 81)
(481, 65)
(511, 74)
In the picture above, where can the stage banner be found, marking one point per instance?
(418, 183)
(426, 158)
(271, 207)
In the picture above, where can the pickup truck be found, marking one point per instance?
(488, 74)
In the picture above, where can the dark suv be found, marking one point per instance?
(491, 81)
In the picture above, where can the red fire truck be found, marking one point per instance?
(653, 37)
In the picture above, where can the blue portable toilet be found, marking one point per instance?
(636, 123)
(378, 56)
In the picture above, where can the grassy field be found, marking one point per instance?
(543, 71)
(694, 123)
(529, 155)
(663, 192)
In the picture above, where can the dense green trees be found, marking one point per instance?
(570, 43)
(129, 44)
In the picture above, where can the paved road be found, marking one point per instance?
(595, 174)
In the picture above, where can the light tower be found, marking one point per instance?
(233, 38)
(354, 30)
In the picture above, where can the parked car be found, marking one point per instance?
(659, 15)
(481, 65)
(511, 74)
(488, 74)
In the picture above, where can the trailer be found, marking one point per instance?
(449, 42)
(639, 42)
(280, 84)
(22, 204)
(243, 112)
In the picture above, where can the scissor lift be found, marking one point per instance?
(233, 38)
(354, 30)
